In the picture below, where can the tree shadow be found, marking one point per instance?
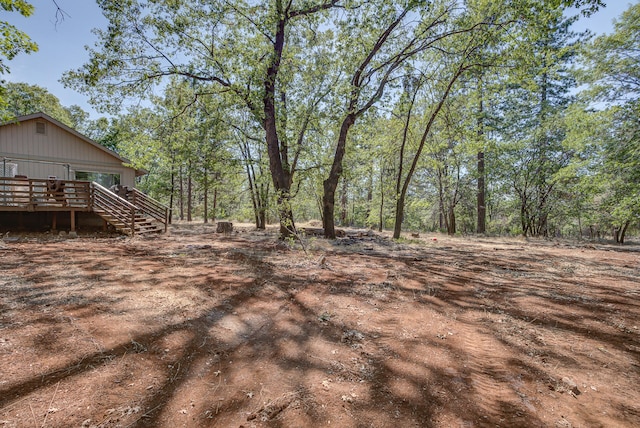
(248, 317)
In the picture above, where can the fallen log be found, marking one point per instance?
(319, 231)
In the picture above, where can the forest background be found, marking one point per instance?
(475, 116)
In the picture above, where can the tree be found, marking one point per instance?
(611, 65)
(536, 97)
(246, 137)
(12, 40)
(622, 167)
(474, 53)
(481, 203)
(237, 47)
(390, 39)
(22, 99)
(303, 73)
(450, 158)
(453, 58)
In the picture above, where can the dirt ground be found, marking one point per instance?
(198, 329)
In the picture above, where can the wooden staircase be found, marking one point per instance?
(139, 215)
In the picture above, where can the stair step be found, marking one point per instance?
(140, 224)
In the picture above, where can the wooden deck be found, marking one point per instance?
(134, 214)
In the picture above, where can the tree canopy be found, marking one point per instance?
(12, 40)
(438, 115)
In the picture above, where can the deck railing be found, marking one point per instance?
(29, 194)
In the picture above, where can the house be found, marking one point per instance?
(47, 167)
(38, 146)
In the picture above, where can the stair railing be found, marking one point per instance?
(150, 206)
(124, 212)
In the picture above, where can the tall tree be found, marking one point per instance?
(612, 68)
(246, 137)
(238, 47)
(481, 202)
(536, 98)
(442, 68)
(390, 38)
(449, 157)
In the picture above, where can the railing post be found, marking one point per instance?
(133, 221)
(91, 200)
(166, 219)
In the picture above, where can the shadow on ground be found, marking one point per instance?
(206, 330)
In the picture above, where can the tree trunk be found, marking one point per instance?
(256, 190)
(262, 218)
(189, 194)
(253, 190)
(328, 200)
(344, 214)
(370, 195)
(397, 225)
(331, 183)
(481, 205)
(181, 194)
(206, 196)
(579, 226)
(171, 193)
(278, 157)
(451, 227)
(523, 219)
(262, 196)
(444, 221)
(215, 203)
(381, 214)
(482, 209)
(287, 225)
(623, 232)
(318, 199)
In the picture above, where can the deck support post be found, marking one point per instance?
(73, 220)
(54, 221)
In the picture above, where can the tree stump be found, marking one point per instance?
(225, 227)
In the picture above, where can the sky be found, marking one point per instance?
(62, 41)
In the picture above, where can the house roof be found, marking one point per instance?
(41, 115)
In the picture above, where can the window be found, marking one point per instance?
(104, 179)
(8, 169)
(41, 128)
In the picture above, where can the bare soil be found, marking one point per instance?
(198, 329)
